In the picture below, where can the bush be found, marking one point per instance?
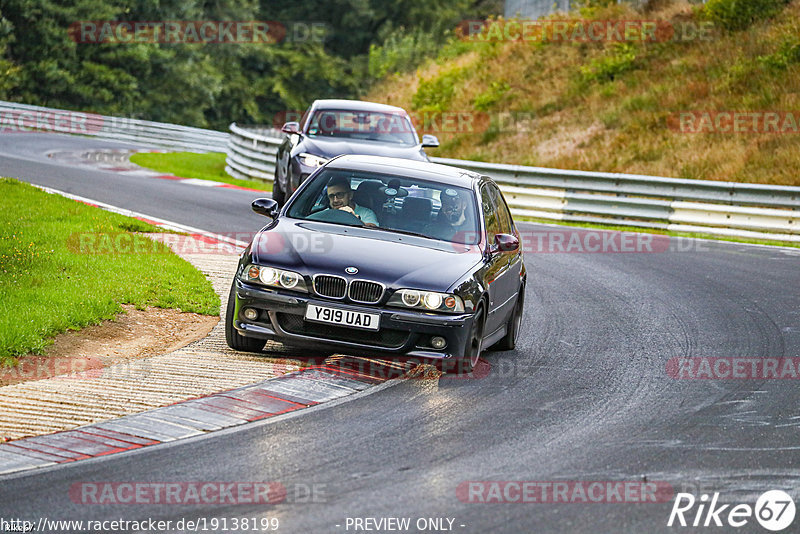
(402, 51)
(735, 15)
(494, 94)
(618, 60)
(787, 54)
(435, 94)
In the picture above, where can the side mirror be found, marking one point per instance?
(430, 141)
(505, 243)
(265, 206)
(291, 128)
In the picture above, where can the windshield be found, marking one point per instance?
(392, 128)
(389, 203)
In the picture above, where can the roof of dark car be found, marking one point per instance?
(356, 105)
(404, 167)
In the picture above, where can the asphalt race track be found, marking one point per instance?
(586, 396)
(24, 156)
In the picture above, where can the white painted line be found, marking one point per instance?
(143, 172)
(732, 232)
(169, 225)
(204, 183)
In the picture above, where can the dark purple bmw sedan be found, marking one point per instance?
(383, 257)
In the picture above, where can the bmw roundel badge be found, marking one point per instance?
(351, 270)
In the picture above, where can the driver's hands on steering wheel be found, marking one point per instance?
(349, 210)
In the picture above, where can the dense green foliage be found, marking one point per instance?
(212, 84)
(734, 15)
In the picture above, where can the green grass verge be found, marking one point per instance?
(47, 285)
(209, 166)
(619, 228)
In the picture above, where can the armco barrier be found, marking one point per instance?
(723, 208)
(251, 153)
(24, 118)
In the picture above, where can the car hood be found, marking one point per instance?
(395, 260)
(332, 147)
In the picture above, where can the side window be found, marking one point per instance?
(503, 214)
(489, 214)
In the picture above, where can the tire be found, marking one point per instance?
(235, 340)
(509, 341)
(472, 349)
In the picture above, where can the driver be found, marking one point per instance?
(340, 197)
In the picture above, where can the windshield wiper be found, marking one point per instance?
(394, 230)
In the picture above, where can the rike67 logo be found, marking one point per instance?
(774, 510)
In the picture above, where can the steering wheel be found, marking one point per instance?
(336, 216)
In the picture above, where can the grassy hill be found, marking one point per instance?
(617, 106)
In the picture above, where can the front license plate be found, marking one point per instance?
(323, 314)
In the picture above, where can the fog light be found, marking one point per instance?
(438, 342)
(251, 314)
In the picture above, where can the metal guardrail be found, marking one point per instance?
(251, 153)
(699, 206)
(16, 117)
(724, 208)
(704, 206)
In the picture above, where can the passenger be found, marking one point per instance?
(452, 219)
(340, 197)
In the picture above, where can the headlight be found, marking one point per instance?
(310, 160)
(270, 276)
(427, 300)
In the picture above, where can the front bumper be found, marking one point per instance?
(402, 332)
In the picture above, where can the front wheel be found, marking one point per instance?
(472, 348)
(235, 340)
